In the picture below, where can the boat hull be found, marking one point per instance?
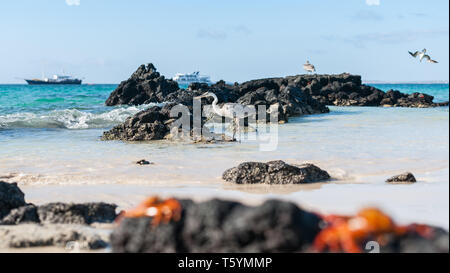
(66, 82)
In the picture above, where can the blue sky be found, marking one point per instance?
(104, 41)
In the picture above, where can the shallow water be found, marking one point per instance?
(359, 146)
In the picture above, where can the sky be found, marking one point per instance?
(104, 41)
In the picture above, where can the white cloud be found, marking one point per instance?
(73, 2)
(373, 2)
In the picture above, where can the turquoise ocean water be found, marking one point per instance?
(50, 144)
(82, 107)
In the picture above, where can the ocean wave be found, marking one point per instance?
(70, 118)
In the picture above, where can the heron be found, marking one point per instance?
(309, 67)
(422, 55)
(234, 111)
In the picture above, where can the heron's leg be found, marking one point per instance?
(238, 126)
(233, 122)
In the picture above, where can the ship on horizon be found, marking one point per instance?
(56, 79)
(186, 79)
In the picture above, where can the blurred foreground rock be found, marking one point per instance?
(221, 226)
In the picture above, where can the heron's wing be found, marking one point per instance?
(426, 57)
(433, 61)
(414, 54)
(227, 110)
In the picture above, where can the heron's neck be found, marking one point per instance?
(215, 107)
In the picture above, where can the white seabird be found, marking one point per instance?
(309, 67)
(234, 111)
(422, 55)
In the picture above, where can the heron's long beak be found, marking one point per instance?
(201, 96)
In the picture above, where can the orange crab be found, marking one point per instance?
(346, 234)
(160, 210)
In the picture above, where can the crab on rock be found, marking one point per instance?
(347, 234)
(161, 210)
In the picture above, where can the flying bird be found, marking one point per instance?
(234, 111)
(430, 60)
(422, 55)
(309, 67)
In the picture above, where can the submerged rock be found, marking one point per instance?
(83, 214)
(274, 172)
(402, 178)
(11, 197)
(221, 226)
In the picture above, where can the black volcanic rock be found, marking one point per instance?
(298, 95)
(150, 124)
(221, 226)
(402, 178)
(84, 214)
(144, 86)
(274, 172)
(61, 213)
(143, 162)
(289, 96)
(21, 215)
(11, 197)
(411, 242)
(348, 90)
(14, 210)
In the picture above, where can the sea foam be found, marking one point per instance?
(70, 118)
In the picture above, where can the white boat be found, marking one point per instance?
(186, 79)
(57, 79)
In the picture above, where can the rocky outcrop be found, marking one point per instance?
(274, 172)
(155, 123)
(16, 211)
(56, 224)
(11, 197)
(82, 214)
(21, 215)
(296, 95)
(61, 213)
(144, 86)
(221, 226)
(150, 124)
(291, 100)
(402, 178)
(347, 90)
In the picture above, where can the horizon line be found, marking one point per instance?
(363, 82)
